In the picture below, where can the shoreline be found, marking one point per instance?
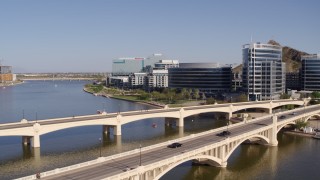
(299, 133)
(57, 79)
(110, 96)
(11, 84)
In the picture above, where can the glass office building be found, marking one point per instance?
(126, 66)
(263, 71)
(207, 77)
(310, 72)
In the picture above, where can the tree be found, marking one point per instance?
(210, 100)
(189, 92)
(243, 98)
(315, 95)
(155, 95)
(300, 124)
(284, 96)
(184, 92)
(196, 94)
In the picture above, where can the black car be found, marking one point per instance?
(174, 145)
(282, 117)
(224, 133)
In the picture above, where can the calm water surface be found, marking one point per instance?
(294, 158)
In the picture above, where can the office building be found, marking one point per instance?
(147, 73)
(157, 79)
(126, 66)
(263, 71)
(236, 77)
(6, 74)
(207, 77)
(310, 72)
(293, 81)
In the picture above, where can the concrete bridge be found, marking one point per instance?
(32, 130)
(154, 161)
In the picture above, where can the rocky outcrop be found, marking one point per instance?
(291, 56)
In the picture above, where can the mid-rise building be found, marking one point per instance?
(310, 72)
(147, 73)
(166, 64)
(137, 80)
(293, 81)
(126, 66)
(129, 65)
(158, 79)
(236, 77)
(6, 74)
(207, 77)
(263, 71)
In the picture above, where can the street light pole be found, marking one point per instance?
(227, 126)
(140, 156)
(100, 145)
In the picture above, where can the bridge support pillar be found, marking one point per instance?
(229, 116)
(117, 130)
(224, 164)
(180, 122)
(273, 139)
(106, 129)
(26, 140)
(222, 156)
(36, 141)
(270, 111)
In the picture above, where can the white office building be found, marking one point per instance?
(263, 71)
(158, 79)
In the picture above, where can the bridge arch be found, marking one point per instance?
(279, 104)
(314, 115)
(192, 113)
(125, 120)
(263, 138)
(171, 166)
(280, 127)
(45, 130)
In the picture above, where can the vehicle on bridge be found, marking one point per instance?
(175, 145)
(224, 133)
(282, 117)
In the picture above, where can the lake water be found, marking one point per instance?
(294, 158)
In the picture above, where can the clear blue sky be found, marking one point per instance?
(85, 35)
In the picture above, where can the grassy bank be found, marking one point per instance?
(138, 96)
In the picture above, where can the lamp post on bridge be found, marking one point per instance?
(100, 142)
(140, 156)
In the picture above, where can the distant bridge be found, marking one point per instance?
(32, 130)
(154, 161)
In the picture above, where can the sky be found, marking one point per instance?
(86, 35)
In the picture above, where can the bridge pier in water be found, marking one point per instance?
(106, 129)
(116, 129)
(273, 139)
(35, 141)
(26, 140)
